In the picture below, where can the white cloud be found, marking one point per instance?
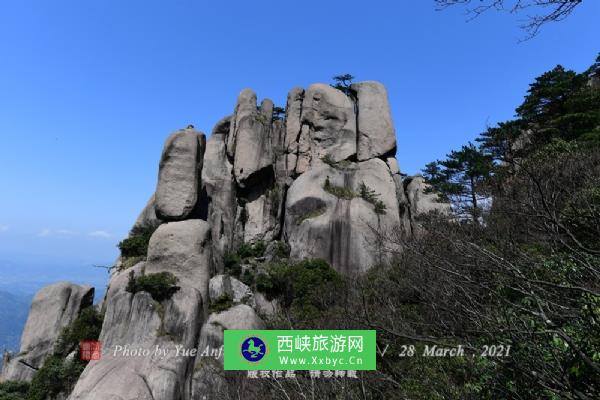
(3, 228)
(100, 234)
(66, 232)
(57, 233)
(44, 232)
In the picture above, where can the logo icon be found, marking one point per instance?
(253, 349)
(90, 350)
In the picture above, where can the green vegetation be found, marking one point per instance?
(344, 164)
(343, 82)
(233, 260)
(59, 375)
(225, 302)
(55, 377)
(369, 195)
(161, 285)
(346, 193)
(135, 248)
(232, 264)
(311, 214)
(12, 390)
(278, 113)
(247, 250)
(128, 262)
(280, 249)
(338, 191)
(261, 118)
(87, 326)
(299, 285)
(560, 108)
(520, 267)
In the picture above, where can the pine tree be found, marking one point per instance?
(461, 179)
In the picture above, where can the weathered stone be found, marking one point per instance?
(263, 216)
(208, 379)
(392, 164)
(225, 285)
(304, 150)
(120, 278)
(376, 134)
(293, 112)
(265, 307)
(219, 187)
(182, 248)
(139, 325)
(279, 152)
(341, 229)
(147, 217)
(254, 137)
(179, 175)
(329, 114)
(240, 316)
(421, 200)
(244, 107)
(53, 308)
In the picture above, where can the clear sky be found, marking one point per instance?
(89, 90)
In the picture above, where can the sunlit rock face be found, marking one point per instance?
(53, 308)
(318, 178)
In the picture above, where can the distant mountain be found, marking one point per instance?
(13, 314)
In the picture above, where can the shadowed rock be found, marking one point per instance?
(219, 187)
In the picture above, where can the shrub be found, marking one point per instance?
(56, 376)
(369, 195)
(136, 244)
(247, 277)
(297, 284)
(311, 214)
(225, 302)
(87, 326)
(161, 285)
(13, 390)
(281, 249)
(338, 191)
(247, 250)
(231, 262)
(379, 207)
(328, 160)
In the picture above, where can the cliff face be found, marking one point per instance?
(298, 180)
(324, 180)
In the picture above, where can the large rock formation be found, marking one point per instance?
(376, 134)
(323, 183)
(179, 175)
(326, 217)
(53, 308)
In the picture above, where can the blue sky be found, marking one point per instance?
(89, 90)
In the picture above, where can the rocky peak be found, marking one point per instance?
(324, 182)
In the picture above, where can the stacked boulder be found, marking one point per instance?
(324, 180)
